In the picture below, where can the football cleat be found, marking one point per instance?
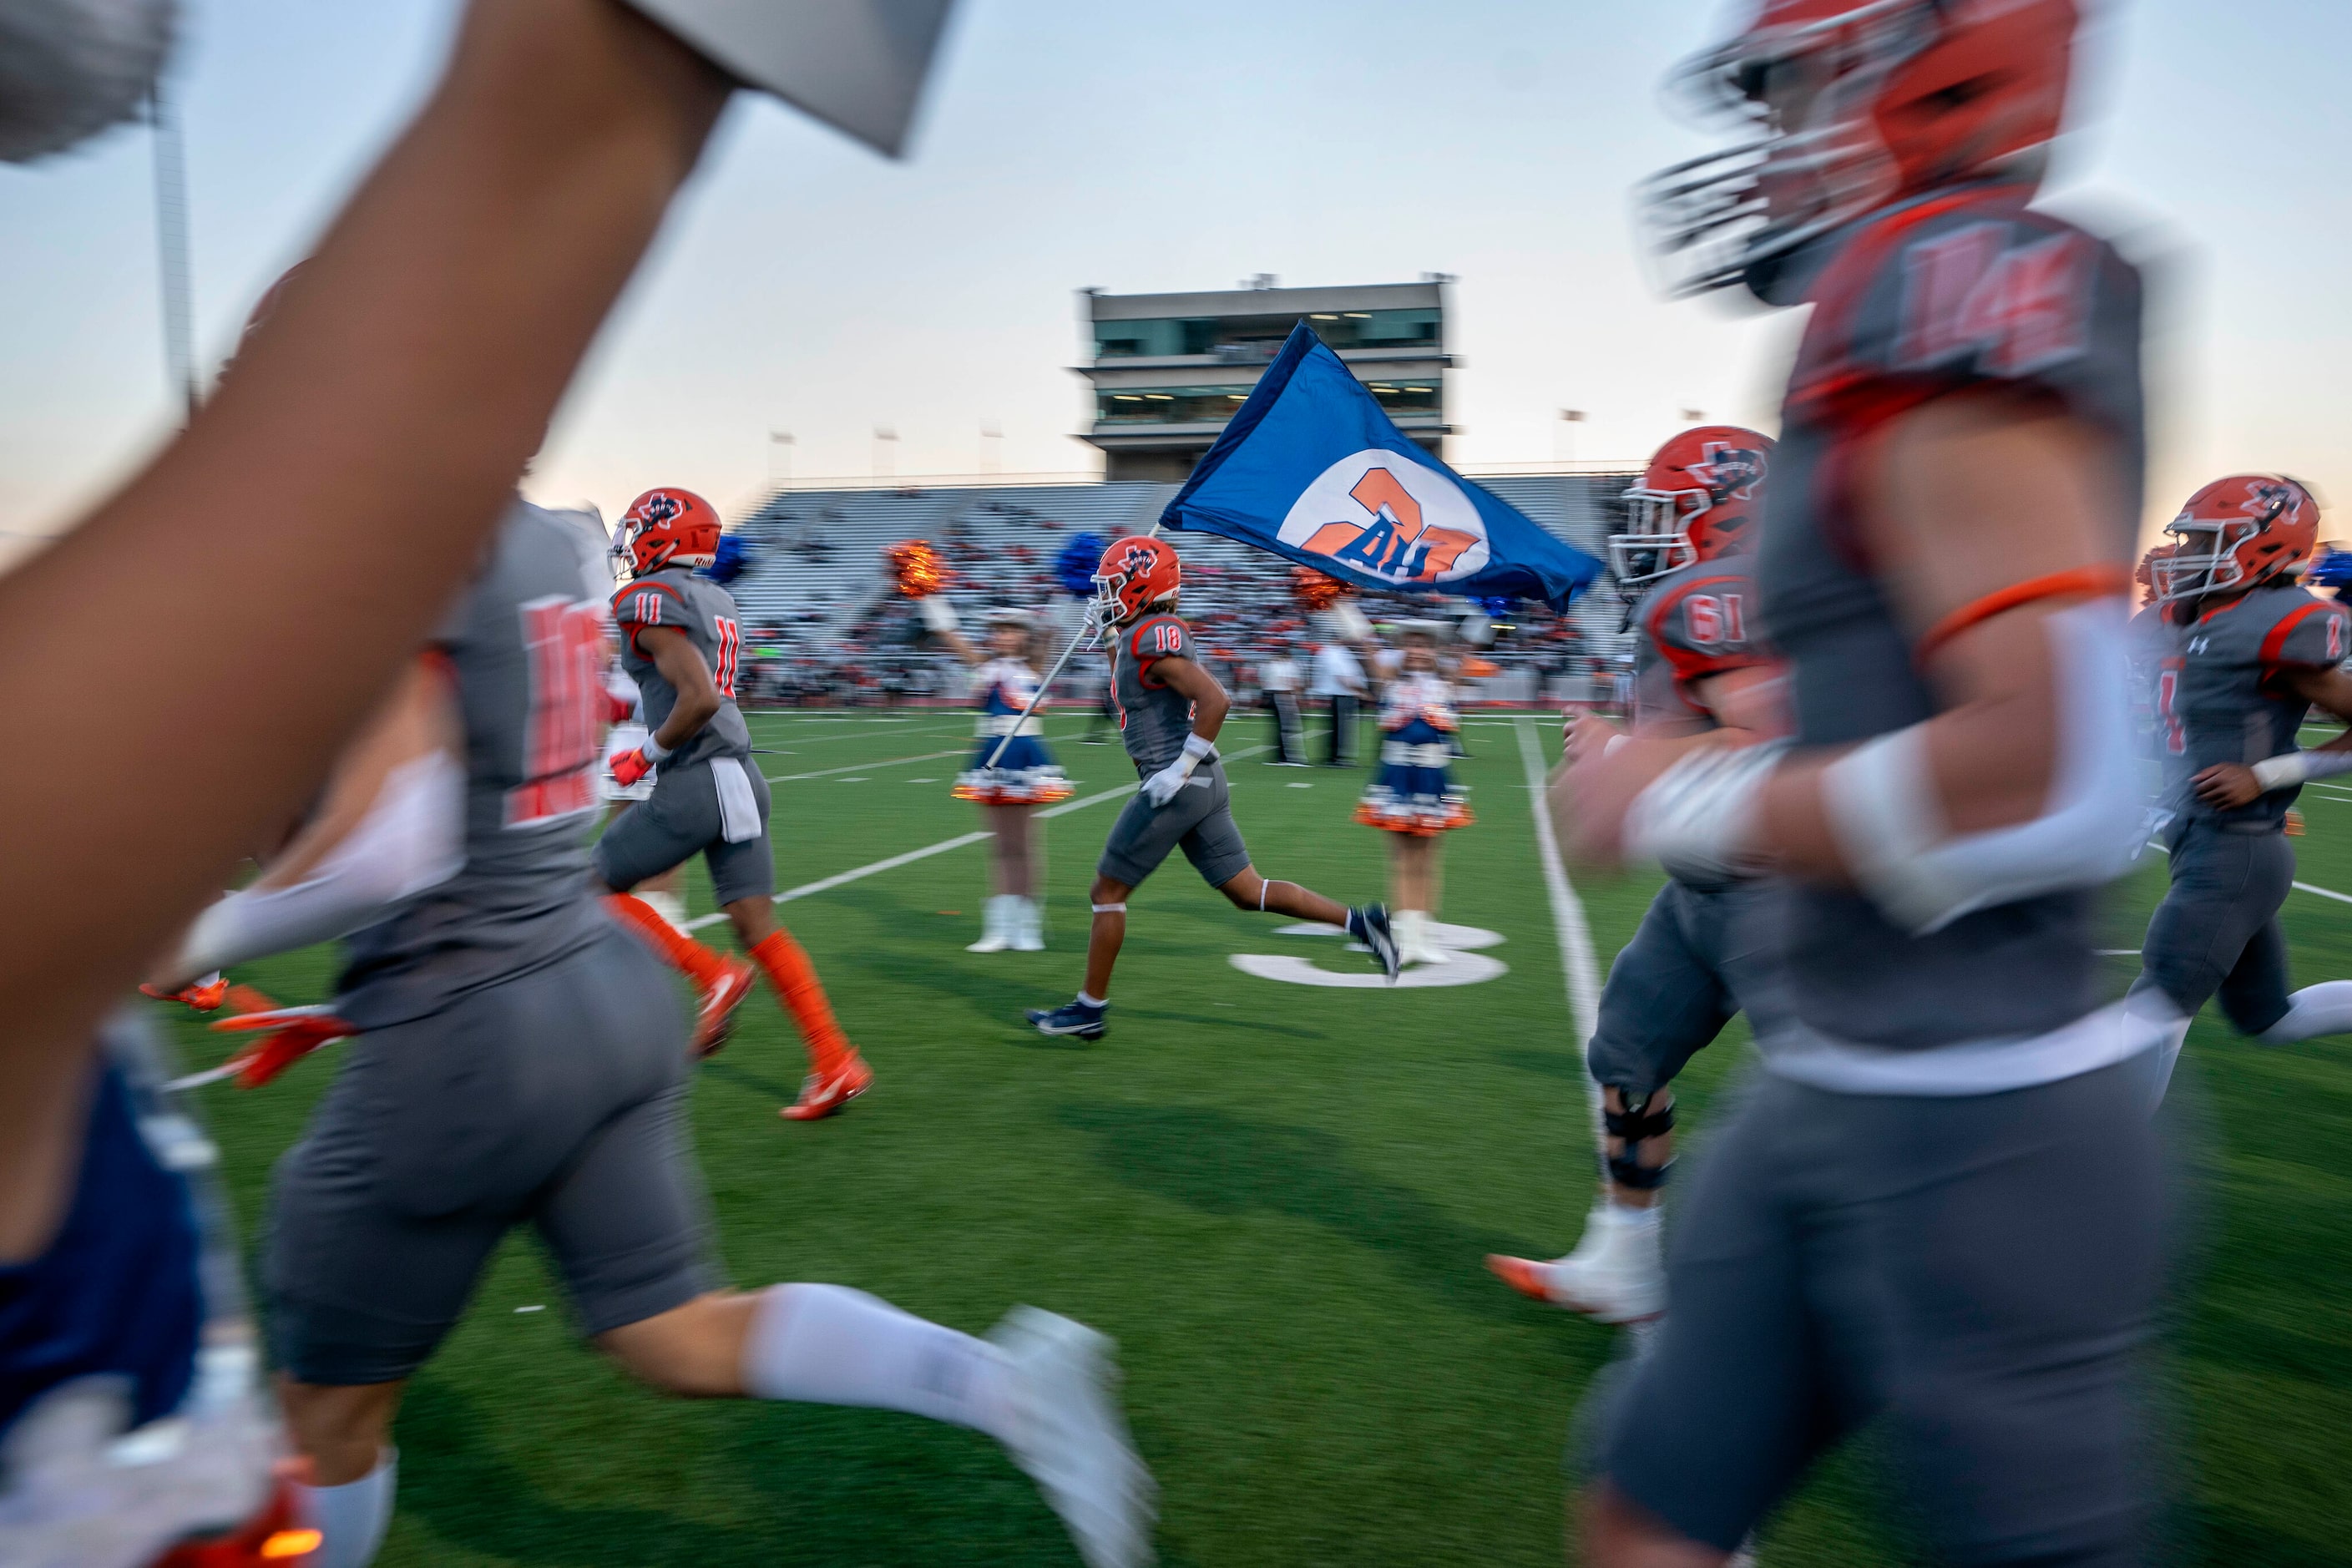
(1616, 1275)
(1068, 1435)
(1369, 925)
(1072, 1019)
(716, 1019)
(823, 1094)
(203, 996)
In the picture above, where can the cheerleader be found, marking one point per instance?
(1025, 777)
(1412, 799)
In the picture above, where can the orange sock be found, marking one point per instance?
(794, 978)
(681, 951)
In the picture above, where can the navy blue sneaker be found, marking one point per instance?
(1369, 925)
(1075, 1018)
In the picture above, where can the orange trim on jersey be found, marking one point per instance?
(2274, 643)
(2080, 581)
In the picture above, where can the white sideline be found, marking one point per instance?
(1576, 961)
(941, 847)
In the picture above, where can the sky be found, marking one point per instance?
(804, 285)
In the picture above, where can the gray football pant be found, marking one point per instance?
(1697, 959)
(1976, 1275)
(2217, 931)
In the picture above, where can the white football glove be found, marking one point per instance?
(1161, 787)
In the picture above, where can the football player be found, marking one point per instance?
(2248, 653)
(1170, 710)
(682, 643)
(518, 1061)
(1941, 1209)
(1700, 670)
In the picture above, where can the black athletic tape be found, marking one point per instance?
(1628, 1171)
(1638, 1122)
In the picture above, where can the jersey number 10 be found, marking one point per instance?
(564, 640)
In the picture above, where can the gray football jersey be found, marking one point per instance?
(2219, 698)
(675, 598)
(1153, 719)
(524, 653)
(1695, 622)
(1954, 291)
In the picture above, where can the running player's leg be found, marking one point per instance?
(1666, 999)
(1142, 837)
(2225, 889)
(656, 836)
(629, 1227)
(743, 880)
(2254, 995)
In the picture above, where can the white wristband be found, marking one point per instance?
(2283, 771)
(1198, 751)
(656, 752)
(1698, 819)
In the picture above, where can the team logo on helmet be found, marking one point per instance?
(1380, 514)
(2270, 500)
(1728, 472)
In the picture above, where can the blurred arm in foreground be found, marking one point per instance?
(341, 485)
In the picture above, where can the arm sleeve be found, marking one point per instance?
(411, 839)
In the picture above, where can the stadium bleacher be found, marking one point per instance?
(817, 586)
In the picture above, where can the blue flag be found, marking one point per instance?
(1313, 471)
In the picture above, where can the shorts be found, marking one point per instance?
(1200, 821)
(1977, 1275)
(1697, 958)
(2217, 931)
(556, 1099)
(684, 818)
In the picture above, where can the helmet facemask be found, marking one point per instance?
(1814, 158)
(1658, 542)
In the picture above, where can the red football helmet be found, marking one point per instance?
(2235, 534)
(1696, 500)
(667, 527)
(1855, 104)
(1136, 575)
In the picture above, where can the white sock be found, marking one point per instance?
(1086, 1001)
(2316, 1010)
(669, 905)
(827, 1344)
(353, 1517)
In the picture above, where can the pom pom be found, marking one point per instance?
(734, 558)
(2331, 569)
(918, 570)
(1314, 590)
(1074, 568)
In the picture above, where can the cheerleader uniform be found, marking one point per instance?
(1027, 775)
(1412, 791)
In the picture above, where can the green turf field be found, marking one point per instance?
(1274, 1196)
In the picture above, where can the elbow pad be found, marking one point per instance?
(1882, 806)
(411, 839)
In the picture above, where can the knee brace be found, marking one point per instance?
(1634, 1125)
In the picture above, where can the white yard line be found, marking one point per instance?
(853, 767)
(925, 853)
(1576, 961)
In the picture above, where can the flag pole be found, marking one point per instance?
(1039, 694)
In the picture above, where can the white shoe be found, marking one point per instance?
(669, 905)
(1069, 1437)
(1028, 927)
(996, 927)
(1413, 942)
(1616, 1275)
